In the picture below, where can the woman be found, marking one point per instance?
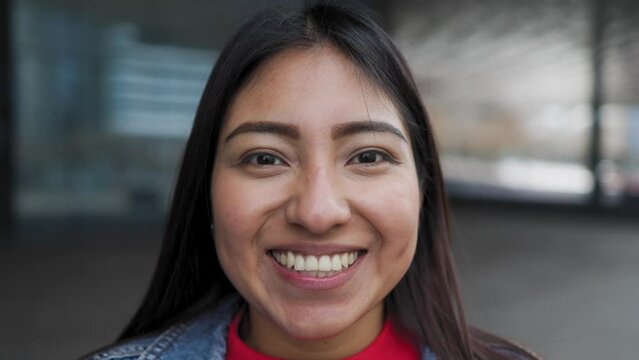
(309, 217)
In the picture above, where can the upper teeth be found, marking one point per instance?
(298, 262)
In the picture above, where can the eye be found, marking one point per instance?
(262, 159)
(371, 158)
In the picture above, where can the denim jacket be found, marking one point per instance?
(202, 338)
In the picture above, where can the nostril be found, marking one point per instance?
(318, 215)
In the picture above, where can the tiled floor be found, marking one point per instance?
(564, 285)
(567, 286)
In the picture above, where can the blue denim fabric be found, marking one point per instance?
(203, 338)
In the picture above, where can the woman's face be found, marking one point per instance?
(315, 197)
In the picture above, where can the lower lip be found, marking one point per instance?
(316, 283)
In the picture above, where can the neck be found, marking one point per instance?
(264, 336)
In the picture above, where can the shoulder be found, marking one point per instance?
(487, 343)
(516, 352)
(204, 336)
(128, 350)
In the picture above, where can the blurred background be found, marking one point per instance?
(535, 105)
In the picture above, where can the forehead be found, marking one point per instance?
(312, 87)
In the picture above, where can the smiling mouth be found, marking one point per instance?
(316, 266)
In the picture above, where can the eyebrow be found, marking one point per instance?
(276, 128)
(368, 126)
(338, 131)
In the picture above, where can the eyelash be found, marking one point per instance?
(385, 157)
(251, 158)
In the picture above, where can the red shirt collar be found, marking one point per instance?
(387, 345)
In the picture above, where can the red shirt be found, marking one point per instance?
(387, 345)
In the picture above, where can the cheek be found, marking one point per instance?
(227, 202)
(240, 208)
(394, 212)
(236, 208)
(396, 207)
(235, 229)
(231, 220)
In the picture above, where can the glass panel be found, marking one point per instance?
(105, 97)
(101, 115)
(508, 88)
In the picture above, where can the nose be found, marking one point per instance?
(318, 204)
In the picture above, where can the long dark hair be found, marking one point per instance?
(425, 303)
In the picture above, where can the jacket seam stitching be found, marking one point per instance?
(129, 350)
(163, 343)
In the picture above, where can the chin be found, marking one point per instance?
(323, 321)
